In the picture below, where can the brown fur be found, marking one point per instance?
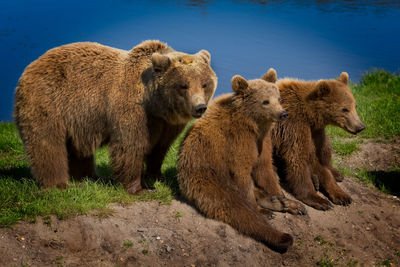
(302, 150)
(220, 159)
(76, 97)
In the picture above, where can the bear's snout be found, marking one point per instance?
(283, 115)
(360, 128)
(199, 110)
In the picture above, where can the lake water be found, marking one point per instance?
(299, 38)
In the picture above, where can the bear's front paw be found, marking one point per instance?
(317, 202)
(133, 188)
(283, 243)
(340, 198)
(293, 207)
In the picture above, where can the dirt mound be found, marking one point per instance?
(150, 234)
(374, 156)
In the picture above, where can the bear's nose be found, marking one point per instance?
(200, 109)
(362, 127)
(283, 115)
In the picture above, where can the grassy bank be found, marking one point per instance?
(378, 99)
(377, 96)
(22, 199)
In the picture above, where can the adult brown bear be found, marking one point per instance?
(76, 97)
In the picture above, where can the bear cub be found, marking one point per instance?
(302, 151)
(222, 160)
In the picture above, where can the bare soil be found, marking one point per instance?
(366, 233)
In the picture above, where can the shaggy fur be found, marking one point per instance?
(225, 153)
(301, 149)
(76, 97)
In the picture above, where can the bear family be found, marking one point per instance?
(226, 158)
(79, 96)
(302, 152)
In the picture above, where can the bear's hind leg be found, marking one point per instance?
(49, 163)
(234, 209)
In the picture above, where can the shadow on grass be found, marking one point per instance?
(386, 180)
(17, 173)
(169, 178)
(21, 173)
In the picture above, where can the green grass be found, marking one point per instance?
(127, 244)
(327, 261)
(345, 148)
(22, 199)
(378, 100)
(386, 263)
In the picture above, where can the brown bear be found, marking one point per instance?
(222, 158)
(302, 151)
(79, 96)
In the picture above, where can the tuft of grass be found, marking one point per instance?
(320, 240)
(386, 263)
(345, 148)
(127, 244)
(326, 261)
(378, 100)
(178, 214)
(345, 171)
(352, 263)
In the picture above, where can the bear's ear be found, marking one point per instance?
(239, 84)
(321, 90)
(270, 76)
(160, 62)
(205, 55)
(344, 78)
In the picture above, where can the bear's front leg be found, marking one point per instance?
(156, 157)
(323, 150)
(329, 185)
(298, 177)
(269, 195)
(127, 164)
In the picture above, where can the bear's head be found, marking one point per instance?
(334, 102)
(260, 98)
(185, 84)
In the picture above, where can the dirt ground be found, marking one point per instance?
(366, 233)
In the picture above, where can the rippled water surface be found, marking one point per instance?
(299, 38)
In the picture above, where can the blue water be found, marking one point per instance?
(299, 38)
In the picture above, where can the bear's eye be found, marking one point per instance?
(345, 110)
(184, 87)
(204, 86)
(265, 102)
